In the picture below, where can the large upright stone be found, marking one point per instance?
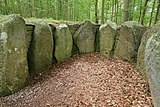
(141, 51)
(107, 39)
(152, 61)
(84, 37)
(63, 43)
(41, 48)
(13, 54)
(128, 41)
(73, 28)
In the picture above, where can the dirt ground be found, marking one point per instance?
(89, 80)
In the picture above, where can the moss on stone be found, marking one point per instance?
(13, 64)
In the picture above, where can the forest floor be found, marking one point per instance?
(89, 80)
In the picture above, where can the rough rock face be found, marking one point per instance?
(84, 37)
(141, 51)
(72, 29)
(152, 61)
(107, 39)
(13, 54)
(41, 48)
(63, 43)
(128, 41)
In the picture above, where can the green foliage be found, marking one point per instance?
(77, 10)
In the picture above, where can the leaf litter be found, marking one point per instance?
(89, 80)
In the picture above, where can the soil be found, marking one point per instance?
(89, 80)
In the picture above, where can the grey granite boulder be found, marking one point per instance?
(128, 41)
(40, 52)
(107, 39)
(84, 37)
(152, 62)
(141, 51)
(63, 43)
(73, 28)
(13, 54)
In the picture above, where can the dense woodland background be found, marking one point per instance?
(144, 11)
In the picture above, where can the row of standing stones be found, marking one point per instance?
(30, 48)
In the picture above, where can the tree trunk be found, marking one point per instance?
(112, 16)
(60, 10)
(66, 10)
(157, 13)
(126, 10)
(150, 22)
(116, 10)
(102, 17)
(6, 7)
(140, 11)
(107, 9)
(144, 12)
(96, 11)
(132, 10)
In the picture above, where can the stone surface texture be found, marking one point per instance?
(107, 38)
(41, 48)
(141, 51)
(63, 43)
(13, 54)
(152, 61)
(84, 37)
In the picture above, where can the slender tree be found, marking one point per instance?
(116, 10)
(102, 16)
(132, 10)
(112, 16)
(96, 11)
(66, 10)
(157, 13)
(6, 6)
(150, 22)
(107, 9)
(126, 10)
(144, 12)
(140, 11)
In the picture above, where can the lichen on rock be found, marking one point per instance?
(13, 64)
(84, 37)
(141, 51)
(40, 52)
(63, 43)
(107, 39)
(128, 41)
(152, 62)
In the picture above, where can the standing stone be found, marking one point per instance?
(152, 62)
(63, 43)
(41, 48)
(84, 37)
(73, 28)
(141, 51)
(107, 39)
(13, 54)
(128, 41)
